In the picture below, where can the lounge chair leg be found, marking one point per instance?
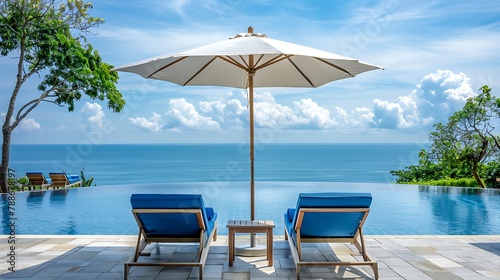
(375, 270)
(286, 235)
(125, 271)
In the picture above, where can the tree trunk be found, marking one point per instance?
(4, 167)
(476, 176)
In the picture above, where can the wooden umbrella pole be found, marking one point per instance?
(251, 74)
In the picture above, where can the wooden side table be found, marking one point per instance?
(246, 226)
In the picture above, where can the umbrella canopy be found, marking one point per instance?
(250, 60)
(229, 63)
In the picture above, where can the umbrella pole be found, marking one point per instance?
(251, 74)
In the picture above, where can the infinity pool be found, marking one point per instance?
(396, 209)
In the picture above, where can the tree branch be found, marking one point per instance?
(28, 107)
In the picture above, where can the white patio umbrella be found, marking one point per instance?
(246, 61)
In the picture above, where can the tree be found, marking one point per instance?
(462, 147)
(465, 142)
(47, 39)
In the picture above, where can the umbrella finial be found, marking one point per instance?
(249, 34)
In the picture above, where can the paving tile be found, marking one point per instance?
(110, 276)
(79, 276)
(443, 262)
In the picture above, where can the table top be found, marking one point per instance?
(250, 224)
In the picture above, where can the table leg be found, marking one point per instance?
(270, 246)
(231, 247)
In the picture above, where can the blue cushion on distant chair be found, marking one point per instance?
(73, 178)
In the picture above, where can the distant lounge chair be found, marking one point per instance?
(60, 179)
(328, 218)
(37, 179)
(174, 218)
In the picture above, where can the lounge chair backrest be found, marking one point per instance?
(36, 178)
(331, 224)
(59, 179)
(170, 224)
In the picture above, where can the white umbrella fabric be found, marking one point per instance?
(250, 60)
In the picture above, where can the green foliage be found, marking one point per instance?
(85, 182)
(464, 151)
(47, 39)
(23, 181)
(449, 182)
(491, 174)
(48, 36)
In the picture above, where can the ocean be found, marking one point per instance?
(170, 163)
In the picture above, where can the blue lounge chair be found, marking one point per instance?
(37, 179)
(60, 179)
(172, 218)
(331, 218)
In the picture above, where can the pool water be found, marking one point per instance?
(396, 209)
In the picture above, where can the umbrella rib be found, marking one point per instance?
(335, 66)
(272, 61)
(258, 60)
(199, 71)
(166, 66)
(300, 71)
(233, 61)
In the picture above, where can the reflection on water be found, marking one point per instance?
(58, 196)
(456, 208)
(6, 218)
(395, 209)
(35, 199)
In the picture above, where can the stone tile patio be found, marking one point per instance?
(399, 257)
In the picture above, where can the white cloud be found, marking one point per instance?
(439, 95)
(182, 115)
(29, 125)
(387, 114)
(311, 115)
(361, 117)
(95, 117)
(231, 113)
(178, 5)
(151, 124)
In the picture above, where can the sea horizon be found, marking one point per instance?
(112, 164)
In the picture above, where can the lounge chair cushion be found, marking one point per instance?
(320, 224)
(173, 225)
(73, 178)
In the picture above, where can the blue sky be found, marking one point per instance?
(435, 55)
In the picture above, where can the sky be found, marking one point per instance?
(435, 55)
